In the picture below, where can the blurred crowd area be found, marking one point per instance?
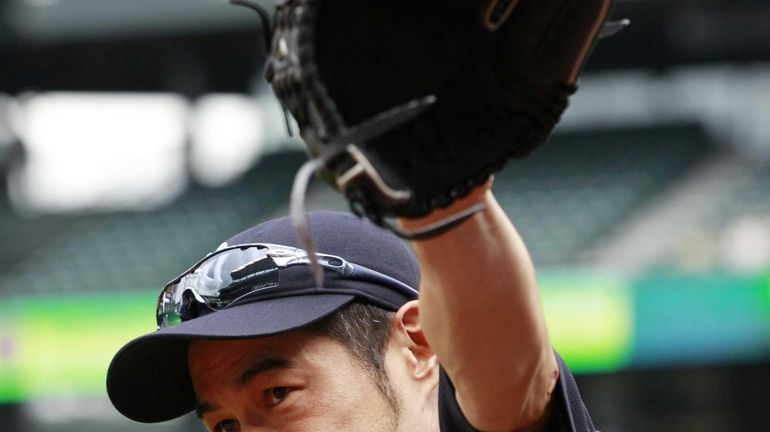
(135, 136)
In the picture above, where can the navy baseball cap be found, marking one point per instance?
(148, 379)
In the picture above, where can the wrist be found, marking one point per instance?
(481, 194)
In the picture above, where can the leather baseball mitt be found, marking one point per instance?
(405, 105)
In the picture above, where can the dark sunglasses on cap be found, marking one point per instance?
(246, 273)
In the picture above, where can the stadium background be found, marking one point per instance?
(135, 135)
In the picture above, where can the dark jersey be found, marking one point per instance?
(568, 413)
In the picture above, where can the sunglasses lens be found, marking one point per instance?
(166, 314)
(216, 283)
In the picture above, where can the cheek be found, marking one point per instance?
(350, 401)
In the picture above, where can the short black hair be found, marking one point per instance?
(364, 330)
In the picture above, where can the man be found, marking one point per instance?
(252, 344)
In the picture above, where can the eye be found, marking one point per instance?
(228, 426)
(276, 395)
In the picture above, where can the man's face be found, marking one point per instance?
(291, 382)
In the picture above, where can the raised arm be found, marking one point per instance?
(481, 313)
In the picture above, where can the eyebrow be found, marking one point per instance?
(261, 366)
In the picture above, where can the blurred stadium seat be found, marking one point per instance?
(575, 189)
(572, 192)
(135, 250)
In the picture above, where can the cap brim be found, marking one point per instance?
(148, 379)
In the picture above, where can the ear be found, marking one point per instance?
(415, 346)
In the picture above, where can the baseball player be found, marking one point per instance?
(248, 341)
(407, 108)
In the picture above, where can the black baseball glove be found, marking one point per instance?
(406, 105)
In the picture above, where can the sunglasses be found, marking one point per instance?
(251, 272)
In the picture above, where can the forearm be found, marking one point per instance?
(480, 310)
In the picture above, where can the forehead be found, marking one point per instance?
(282, 342)
(225, 359)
